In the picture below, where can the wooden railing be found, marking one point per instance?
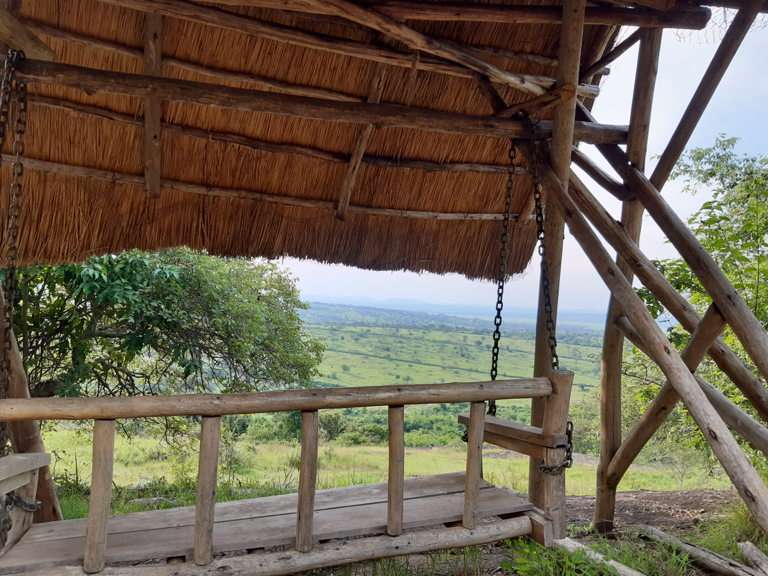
(211, 407)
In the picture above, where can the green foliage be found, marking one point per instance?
(527, 558)
(175, 321)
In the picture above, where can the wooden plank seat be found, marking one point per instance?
(522, 438)
(258, 523)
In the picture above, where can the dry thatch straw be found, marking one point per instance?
(67, 218)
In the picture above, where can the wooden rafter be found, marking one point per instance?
(502, 13)
(549, 99)
(363, 137)
(153, 66)
(618, 189)
(240, 193)
(642, 100)
(612, 56)
(17, 36)
(212, 16)
(384, 115)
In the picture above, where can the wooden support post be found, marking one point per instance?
(363, 137)
(153, 66)
(94, 558)
(743, 476)
(725, 358)
(396, 470)
(613, 341)
(703, 337)
(474, 464)
(555, 420)
(720, 62)
(207, 467)
(21, 520)
(738, 420)
(307, 481)
(569, 57)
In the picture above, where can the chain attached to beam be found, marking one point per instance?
(567, 462)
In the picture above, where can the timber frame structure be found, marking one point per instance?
(376, 134)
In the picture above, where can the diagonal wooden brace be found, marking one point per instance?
(725, 358)
(654, 416)
(745, 479)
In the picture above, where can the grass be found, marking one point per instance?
(145, 468)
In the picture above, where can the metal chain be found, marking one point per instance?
(541, 235)
(13, 501)
(567, 462)
(502, 269)
(6, 88)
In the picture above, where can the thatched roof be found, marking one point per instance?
(69, 217)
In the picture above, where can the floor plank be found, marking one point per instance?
(241, 532)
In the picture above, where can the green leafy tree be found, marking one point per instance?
(174, 321)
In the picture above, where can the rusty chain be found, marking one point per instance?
(567, 462)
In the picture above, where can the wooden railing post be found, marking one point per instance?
(555, 420)
(307, 480)
(475, 433)
(207, 468)
(396, 470)
(94, 558)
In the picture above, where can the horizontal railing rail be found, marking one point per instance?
(111, 408)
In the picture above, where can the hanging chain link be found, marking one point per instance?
(541, 235)
(567, 462)
(502, 269)
(19, 89)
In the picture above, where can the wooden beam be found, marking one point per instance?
(276, 148)
(396, 474)
(307, 481)
(613, 341)
(474, 464)
(153, 116)
(17, 36)
(185, 10)
(26, 437)
(384, 115)
(363, 137)
(745, 479)
(618, 189)
(261, 402)
(569, 56)
(618, 237)
(205, 190)
(684, 18)
(754, 557)
(661, 406)
(422, 43)
(549, 99)
(100, 497)
(738, 420)
(709, 83)
(331, 554)
(205, 505)
(614, 54)
(217, 73)
(573, 547)
(733, 4)
(745, 325)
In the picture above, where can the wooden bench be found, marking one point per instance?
(18, 477)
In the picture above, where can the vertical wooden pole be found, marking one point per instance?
(307, 480)
(153, 66)
(475, 433)
(101, 495)
(555, 420)
(207, 467)
(613, 341)
(569, 56)
(396, 470)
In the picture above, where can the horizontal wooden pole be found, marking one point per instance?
(686, 18)
(95, 81)
(14, 409)
(242, 194)
(277, 148)
(326, 555)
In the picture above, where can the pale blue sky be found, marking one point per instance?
(737, 109)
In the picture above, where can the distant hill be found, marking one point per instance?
(415, 313)
(396, 311)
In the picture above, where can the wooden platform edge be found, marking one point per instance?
(324, 555)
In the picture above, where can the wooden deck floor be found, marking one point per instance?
(257, 523)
